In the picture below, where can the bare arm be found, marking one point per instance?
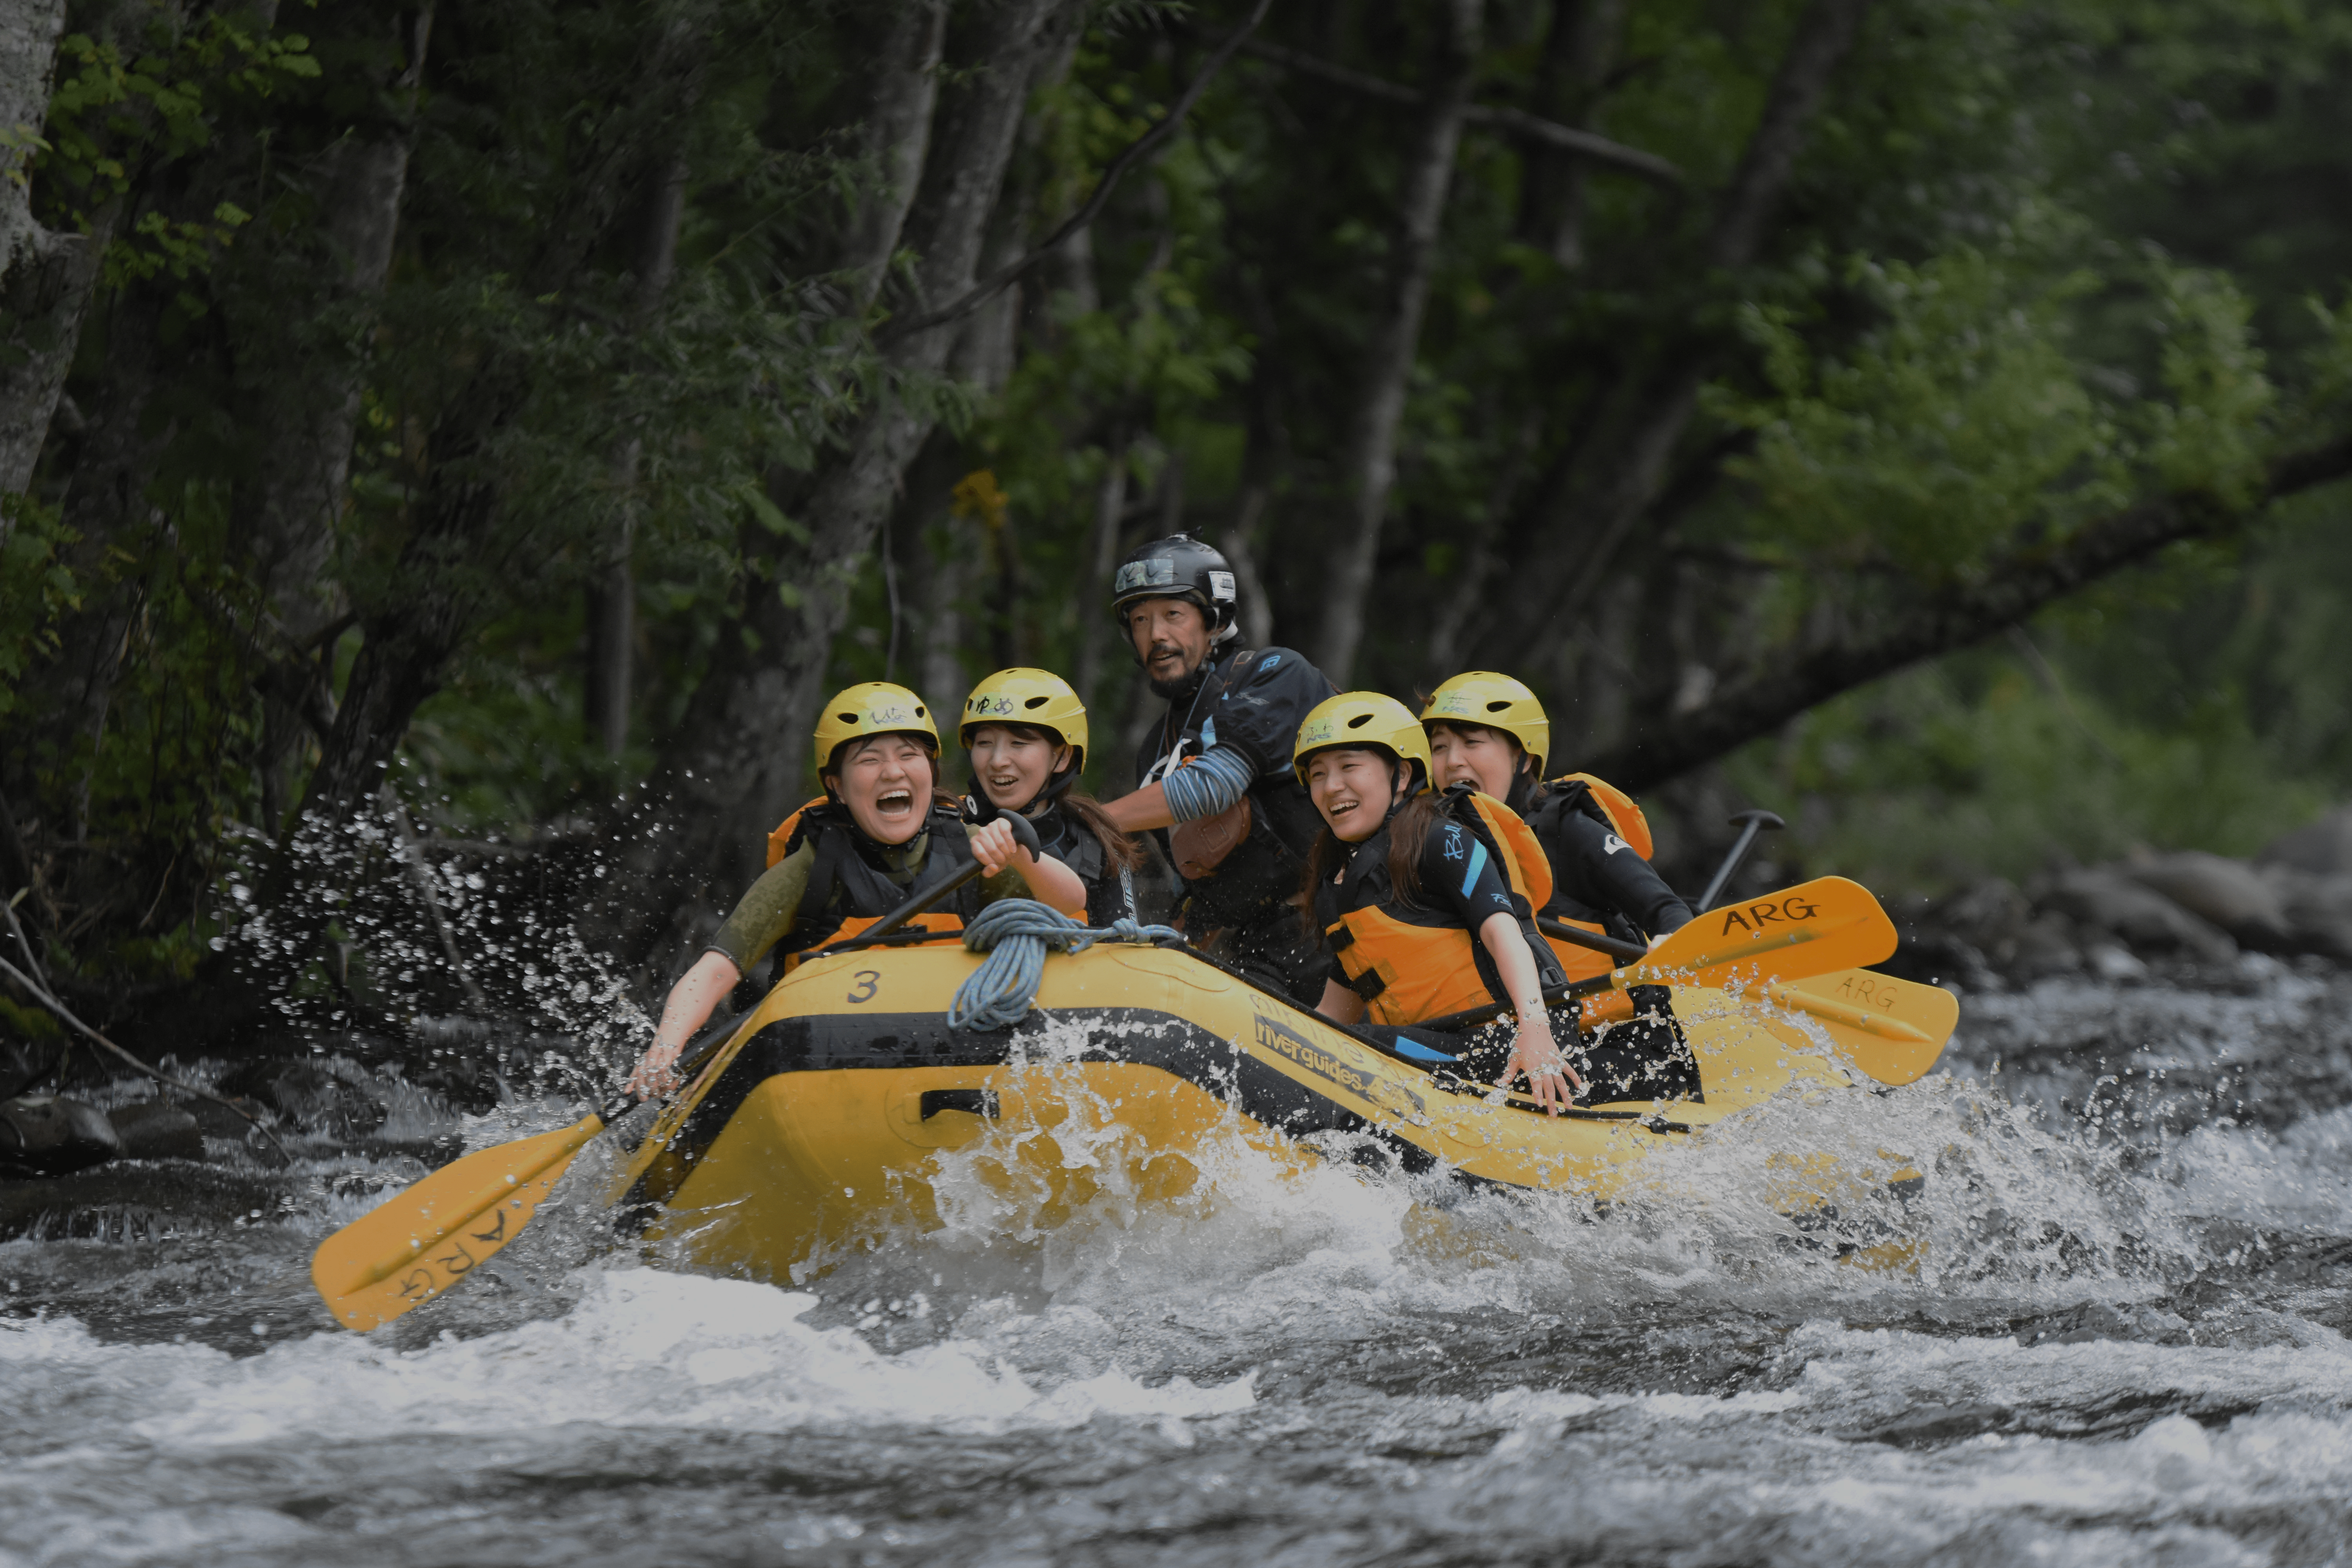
(689, 1005)
(1340, 1005)
(1145, 809)
(1050, 883)
(1533, 1053)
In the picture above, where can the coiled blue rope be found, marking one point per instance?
(1015, 933)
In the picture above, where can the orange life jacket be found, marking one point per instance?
(780, 842)
(1410, 962)
(1624, 816)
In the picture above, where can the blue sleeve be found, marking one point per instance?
(1207, 784)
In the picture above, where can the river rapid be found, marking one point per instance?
(2121, 1341)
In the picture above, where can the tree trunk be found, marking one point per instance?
(749, 763)
(1110, 505)
(612, 592)
(1953, 615)
(1369, 470)
(305, 470)
(1579, 55)
(895, 134)
(447, 567)
(44, 278)
(1239, 544)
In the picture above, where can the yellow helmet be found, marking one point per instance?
(870, 708)
(1020, 696)
(1498, 703)
(1362, 719)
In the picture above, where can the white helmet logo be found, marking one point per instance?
(1220, 585)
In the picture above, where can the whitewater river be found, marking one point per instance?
(2122, 1342)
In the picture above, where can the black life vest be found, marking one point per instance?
(1068, 839)
(1615, 811)
(847, 888)
(1261, 875)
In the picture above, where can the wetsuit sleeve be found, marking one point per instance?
(1597, 868)
(1460, 874)
(1261, 708)
(1210, 783)
(764, 915)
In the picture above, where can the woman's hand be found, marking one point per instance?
(1049, 881)
(994, 847)
(687, 1009)
(656, 1070)
(1550, 1078)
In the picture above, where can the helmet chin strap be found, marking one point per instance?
(1056, 787)
(1399, 794)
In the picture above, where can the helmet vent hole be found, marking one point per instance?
(1035, 702)
(1360, 721)
(846, 717)
(919, 710)
(1496, 706)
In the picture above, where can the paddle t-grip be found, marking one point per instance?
(1751, 823)
(1024, 832)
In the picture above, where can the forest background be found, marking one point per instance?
(449, 451)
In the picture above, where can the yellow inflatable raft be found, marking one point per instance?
(825, 1115)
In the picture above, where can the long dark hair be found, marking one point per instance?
(1408, 829)
(1120, 853)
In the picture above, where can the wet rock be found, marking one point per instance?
(44, 1135)
(2104, 900)
(1986, 913)
(2223, 892)
(327, 1098)
(2323, 847)
(153, 1129)
(123, 1202)
(2318, 909)
(2043, 946)
(27, 1062)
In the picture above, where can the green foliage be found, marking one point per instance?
(37, 587)
(2213, 436)
(1939, 435)
(1978, 768)
(154, 90)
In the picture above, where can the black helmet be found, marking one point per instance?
(1177, 567)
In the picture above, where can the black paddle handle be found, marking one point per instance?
(1751, 823)
(1592, 938)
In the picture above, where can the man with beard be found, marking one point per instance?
(1216, 785)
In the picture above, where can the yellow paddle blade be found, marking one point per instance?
(1815, 927)
(1892, 1029)
(402, 1253)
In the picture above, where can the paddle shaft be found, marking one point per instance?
(1633, 951)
